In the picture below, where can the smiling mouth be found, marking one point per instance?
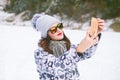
(59, 34)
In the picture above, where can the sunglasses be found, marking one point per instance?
(53, 29)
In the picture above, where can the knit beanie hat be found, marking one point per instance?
(43, 23)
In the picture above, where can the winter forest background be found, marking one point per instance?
(75, 14)
(18, 39)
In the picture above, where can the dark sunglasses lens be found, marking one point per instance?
(60, 26)
(53, 30)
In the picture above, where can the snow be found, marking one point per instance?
(3, 3)
(16, 52)
(17, 45)
(12, 19)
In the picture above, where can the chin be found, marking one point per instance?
(59, 38)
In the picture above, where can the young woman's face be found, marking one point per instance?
(55, 32)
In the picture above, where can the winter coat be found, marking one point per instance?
(62, 68)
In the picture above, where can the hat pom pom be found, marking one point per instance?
(34, 19)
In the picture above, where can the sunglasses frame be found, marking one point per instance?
(53, 29)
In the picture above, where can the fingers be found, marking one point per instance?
(100, 25)
(100, 22)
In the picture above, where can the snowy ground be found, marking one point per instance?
(17, 45)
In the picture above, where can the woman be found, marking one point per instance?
(56, 57)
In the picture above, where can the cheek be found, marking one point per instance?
(53, 37)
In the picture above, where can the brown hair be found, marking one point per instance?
(44, 43)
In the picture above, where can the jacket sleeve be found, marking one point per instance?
(89, 52)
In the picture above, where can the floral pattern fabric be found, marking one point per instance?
(62, 68)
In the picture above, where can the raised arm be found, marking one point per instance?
(90, 40)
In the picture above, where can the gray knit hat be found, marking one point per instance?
(43, 23)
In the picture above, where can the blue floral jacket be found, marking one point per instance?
(62, 68)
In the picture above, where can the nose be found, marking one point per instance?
(59, 30)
